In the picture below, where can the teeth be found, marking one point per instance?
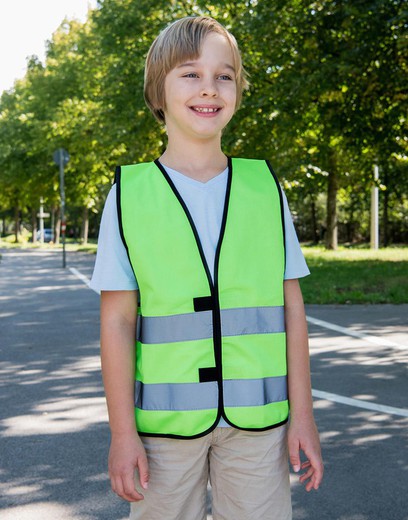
(205, 110)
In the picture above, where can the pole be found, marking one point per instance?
(374, 211)
(41, 220)
(62, 191)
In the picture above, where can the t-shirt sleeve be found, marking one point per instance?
(112, 271)
(296, 266)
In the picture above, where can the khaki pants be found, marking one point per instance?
(248, 472)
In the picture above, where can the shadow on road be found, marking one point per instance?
(53, 428)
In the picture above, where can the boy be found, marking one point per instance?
(199, 240)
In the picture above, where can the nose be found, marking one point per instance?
(209, 89)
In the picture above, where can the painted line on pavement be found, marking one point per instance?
(358, 403)
(82, 277)
(360, 335)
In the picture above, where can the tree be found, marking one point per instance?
(323, 87)
(327, 100)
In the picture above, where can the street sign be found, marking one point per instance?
(61, 155)
(43, 215)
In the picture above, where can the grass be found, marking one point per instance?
(356, 275)
(70, 245)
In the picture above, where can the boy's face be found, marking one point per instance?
(201, 94)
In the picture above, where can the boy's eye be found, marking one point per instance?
(223, 77)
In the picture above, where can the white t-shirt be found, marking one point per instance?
(205, 202)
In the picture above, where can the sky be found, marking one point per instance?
(25, 25)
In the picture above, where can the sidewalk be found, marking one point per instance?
(53, 422)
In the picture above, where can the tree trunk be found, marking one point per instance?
(350, 227)
(331, 218)
(57, 226)
(53, 227)
(16, 223)
(34, 225)
(314, 221)
(386, 234)
(85, 226)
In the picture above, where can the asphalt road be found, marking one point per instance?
(53, 423)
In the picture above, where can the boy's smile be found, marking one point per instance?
(206, 110)
(201, 94)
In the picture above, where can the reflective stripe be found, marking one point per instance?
(252, 320)
(204, 396)
(255, 392)
(176, 396)
(178, 327)
(198, 325)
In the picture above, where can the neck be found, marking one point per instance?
(200, 161)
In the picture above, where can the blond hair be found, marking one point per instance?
(179, 42)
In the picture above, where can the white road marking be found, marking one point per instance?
(349, 332)
(82, 277)
(358, 403)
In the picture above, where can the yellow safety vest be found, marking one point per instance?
(207, 348)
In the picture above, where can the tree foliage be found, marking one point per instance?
(327, 101)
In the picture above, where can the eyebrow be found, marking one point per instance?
(193, 63)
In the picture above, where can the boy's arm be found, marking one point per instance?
(303, 434)
(118, 332)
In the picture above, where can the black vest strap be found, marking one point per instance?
(203, 303)
(207, 374)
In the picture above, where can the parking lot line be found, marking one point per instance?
(358, 403)
(81, 276)
(383, 342)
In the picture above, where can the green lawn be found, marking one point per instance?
(70, 245)
(356, 275)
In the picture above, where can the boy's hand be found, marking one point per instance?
(125, 455)
(303, 436)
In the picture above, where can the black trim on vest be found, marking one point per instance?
(203, 303)
(117, 175)
(281, 205)
(118, 182)
(255, 429)
(217, 311)
(217, 257)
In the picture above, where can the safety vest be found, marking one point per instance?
(206, 347)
